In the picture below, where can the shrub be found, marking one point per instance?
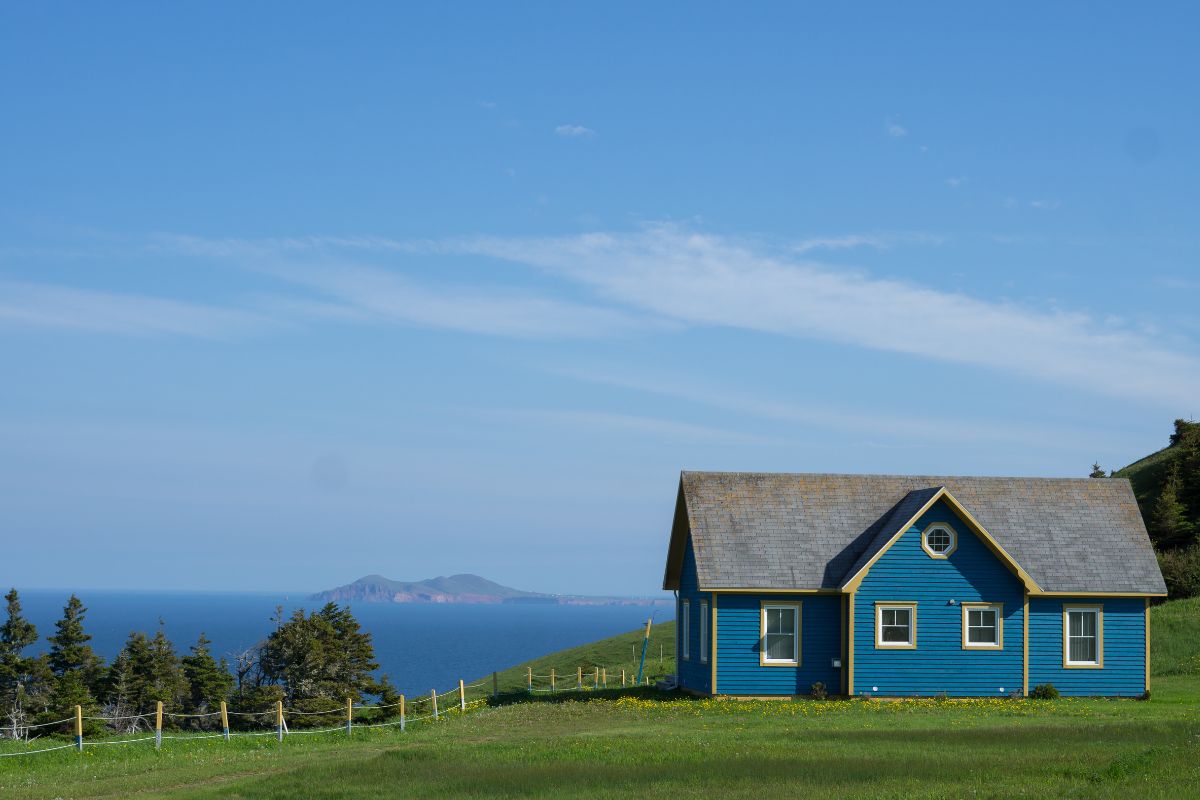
(818, 691)
(1044, 691)
(1181, 571)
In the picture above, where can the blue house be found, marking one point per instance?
(910, 585)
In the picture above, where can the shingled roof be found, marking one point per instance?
(754, 530)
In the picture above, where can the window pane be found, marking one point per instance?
(982, 635)
(780, 646)
(1082, 649)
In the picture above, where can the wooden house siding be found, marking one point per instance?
(939, 663)
(739, 670)
(1124, 647)
(693, 674)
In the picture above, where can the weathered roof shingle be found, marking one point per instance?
(810, 531)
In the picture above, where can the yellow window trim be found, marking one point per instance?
(929, 551)
(1099, 609)
(970, 521)
(713, 644)
(762, 633)
(909, 604)
(967, 645)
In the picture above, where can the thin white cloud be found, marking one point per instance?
(894, 129)
(353, 292)
(956, 181)
(603, 421)
(46, 305)
(906, 427)
(876, 241)
(709, 280)
(574, 131)
(1044, 205)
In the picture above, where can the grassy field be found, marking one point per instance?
(634, 743)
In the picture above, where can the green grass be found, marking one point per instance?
(1175, 638)
(636, 744)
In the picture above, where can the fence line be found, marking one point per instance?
(584, 682)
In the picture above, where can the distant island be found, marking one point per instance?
(462, 589)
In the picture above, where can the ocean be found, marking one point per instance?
(420, 647)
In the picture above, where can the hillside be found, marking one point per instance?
(463, 588)
(1175, 468)
(443, 589)
(640, 744)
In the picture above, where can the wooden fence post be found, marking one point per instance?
(529, 679)
(158, 725)
(622, 677)
(604, 677)
(79, 728)
(349, 714)
(579, 677)
(402, 713)
(495, 686)
(279, 719)
(225, 720)
(595, 677)
(552, 679)
(462, 696)
(433, 694)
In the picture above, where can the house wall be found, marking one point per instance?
(693, 674)
(739, 644)
(939, 663)
(1124, 670)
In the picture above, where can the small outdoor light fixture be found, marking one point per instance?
(953, 602)
(836, 663)
(1001, 690)
(874, 688)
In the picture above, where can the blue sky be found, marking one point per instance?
(290, 293)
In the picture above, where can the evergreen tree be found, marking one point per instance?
(322, 656)
(1097, 471)
(16, 635)
(208, 682)
(1169, 519)
(164, 679)
(69, 648)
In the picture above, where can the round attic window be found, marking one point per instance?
(939, 540)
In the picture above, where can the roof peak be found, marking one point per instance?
(934, 479)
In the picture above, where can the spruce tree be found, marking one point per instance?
(1169, 520)
(208, 682)
(16, 634)
(1097, 471)
(69, 648)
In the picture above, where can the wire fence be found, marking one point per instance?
(398, 714)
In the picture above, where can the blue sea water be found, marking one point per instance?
(421, 647)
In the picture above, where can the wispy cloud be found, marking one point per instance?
(603, 421)
(956, 181)
(46, 305)
(875, 241)
(894, 129)
(1044, 205)
(791, 411)
(574, 131)
(353, 292)
(710, 280)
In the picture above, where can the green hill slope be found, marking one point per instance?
(612, 654)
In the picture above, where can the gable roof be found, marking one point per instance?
(780, 531)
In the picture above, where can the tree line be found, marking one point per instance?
(312, 662)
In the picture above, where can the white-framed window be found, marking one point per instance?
(939, 540)
(686, 629)
(1083, 636)
(896, 625)
(982, 626)
(780, 635)
(703, 632)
